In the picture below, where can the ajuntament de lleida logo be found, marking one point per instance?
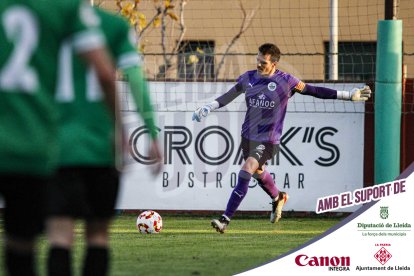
(384, 212)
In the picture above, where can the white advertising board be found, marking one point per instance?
(321, 153)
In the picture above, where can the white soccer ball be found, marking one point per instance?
(149, 222)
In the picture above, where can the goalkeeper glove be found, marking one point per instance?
(201, 112)
(363, 94)
(355, 95)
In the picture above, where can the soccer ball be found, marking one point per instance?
(149, 222)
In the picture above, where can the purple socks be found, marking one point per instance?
(238, 193)
(265, 181)
(268, 185)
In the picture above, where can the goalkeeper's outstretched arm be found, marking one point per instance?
(355, 94)
(221, 101)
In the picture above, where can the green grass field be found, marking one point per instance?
(188, 245)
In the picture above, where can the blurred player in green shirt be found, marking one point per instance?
(87, 181)
(30, 36)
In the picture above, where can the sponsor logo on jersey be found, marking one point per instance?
(262, 102)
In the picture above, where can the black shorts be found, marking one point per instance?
(24, 210)
(262, 152)
(84, 192)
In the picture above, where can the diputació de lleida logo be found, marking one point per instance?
(384, 212)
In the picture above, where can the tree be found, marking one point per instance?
(165, 11)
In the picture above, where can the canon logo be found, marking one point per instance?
(303, 260)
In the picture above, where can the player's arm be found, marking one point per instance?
(355, 94)
(141, 96)
(221, 101)
(130, 62)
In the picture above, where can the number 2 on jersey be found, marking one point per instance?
(21, 30)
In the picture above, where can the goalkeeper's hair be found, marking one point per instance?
(270, 49)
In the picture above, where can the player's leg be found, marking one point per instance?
(19, 256)
(266, 151)
(102, 187)
(238, 194)
(267, 183)
(250, 165)
(97, 257)
(60, 234)
(66, 202)
(240, 191)
(23, 221)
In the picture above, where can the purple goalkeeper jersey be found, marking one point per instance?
(266, 102)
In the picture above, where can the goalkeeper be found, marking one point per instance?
(267, 91)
